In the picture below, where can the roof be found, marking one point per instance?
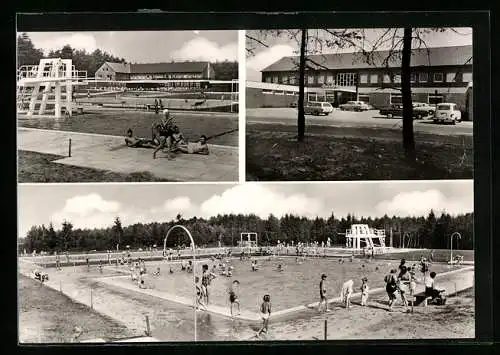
(437, 56)
(150, 68)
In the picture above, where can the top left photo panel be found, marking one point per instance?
(127, 106)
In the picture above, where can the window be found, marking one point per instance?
(396, 99)
(321, 79)
(467, 77)
(387, 78)
(397, 78)
(275, 79)
(279, 93)
(289, 93)
(363, 78)
(267, 92)
(450, 77)
(268, 79)
(422, 77)
(374, 78)
(413, 78)
(310, 79)
(438, 77)
(433, 99)
(364, 98)
(444, 107)
(329, 79)
(291, 79)
(346, 79)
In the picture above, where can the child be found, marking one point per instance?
(199, 295)
(265, 310)
(346, 293)
(233, 298)
(322, 294)
(364, 291)
(100, 266)
(254, 265)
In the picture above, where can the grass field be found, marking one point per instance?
(47, 316)
(331, 153)
(439, 255)
(37, 167)
(116, 122)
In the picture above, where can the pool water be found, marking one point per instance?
(297, 284)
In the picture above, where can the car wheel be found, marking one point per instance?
(431, 113)
(389, 115)
(419, 116)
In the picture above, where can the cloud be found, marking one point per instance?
(419, 203)
(178, 204)
(262, 201)
(201, 48)
(76, 41)
(268, 56)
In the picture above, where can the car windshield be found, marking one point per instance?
(351, 102)
(444, 107)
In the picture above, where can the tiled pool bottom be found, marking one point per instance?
(296, 286)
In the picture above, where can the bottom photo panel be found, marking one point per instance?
(256, 262)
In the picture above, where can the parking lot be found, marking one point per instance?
(367, 119)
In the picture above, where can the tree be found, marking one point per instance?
(118, 231)
(51, 238)
(27, 54)
(65, 236)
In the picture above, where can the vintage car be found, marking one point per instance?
(420, 110)
(318, 108)
(447, 112)
(357, 106)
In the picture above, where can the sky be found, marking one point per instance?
(147, 46)
(282, 46)
(97, 205)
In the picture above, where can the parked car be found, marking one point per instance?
(423, 110)
(420, 110)
(318, 108)
(357, 106)
(447, 112)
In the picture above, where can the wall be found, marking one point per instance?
(256, 99)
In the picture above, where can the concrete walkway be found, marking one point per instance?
(110, 153)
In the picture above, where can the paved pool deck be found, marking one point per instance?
(109, 153)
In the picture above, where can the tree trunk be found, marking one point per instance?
(408, 137)
(301, 119)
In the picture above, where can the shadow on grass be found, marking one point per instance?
(274, 156)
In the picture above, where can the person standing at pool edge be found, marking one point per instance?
(265, 310)
(322, 294)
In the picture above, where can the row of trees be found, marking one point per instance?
(91, 62)
(417, 232)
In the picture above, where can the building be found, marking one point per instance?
(440, 74)
(188, 74)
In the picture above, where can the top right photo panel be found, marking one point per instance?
(359, 104)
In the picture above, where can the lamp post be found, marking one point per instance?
(194, 274)
(456, 234)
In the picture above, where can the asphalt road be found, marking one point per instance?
(369, 119)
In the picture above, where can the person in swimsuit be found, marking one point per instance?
(177, 137)
(404, 280)
(199, 294)
(200, 147)
(162, 133)
(364, 291)
(233, 298)
(437, 295)
(136, 142)
(322, 294)
(206, 280)
(391, 287)
(265, 312)
(345, 295)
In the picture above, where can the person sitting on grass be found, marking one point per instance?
(136, 142)
(437, 295)
(177, 137)
(200, 147)
(233, 298)
(265, 311)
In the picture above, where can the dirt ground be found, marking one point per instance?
(363, 154)
(47, 316)
(454, 320)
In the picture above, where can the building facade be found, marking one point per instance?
(181, 71)
(440, 74)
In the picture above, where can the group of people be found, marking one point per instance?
(166, 135)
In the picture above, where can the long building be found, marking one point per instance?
(440, 74)
(182, 71)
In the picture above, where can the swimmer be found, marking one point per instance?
(157, 272)
(233, 298)
(280, 268)
(199, 295)
(265, 311)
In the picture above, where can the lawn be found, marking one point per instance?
(48, 316)
(333, 153)
(223, 128)
(37, 167)
(439, 255)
